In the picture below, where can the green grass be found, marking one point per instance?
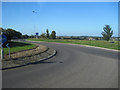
(18, 46)
(97, 43)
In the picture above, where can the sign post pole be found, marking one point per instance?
(9, 52)
(3, 40)
(1, 48)
(2, 53)
(37, 35)
(8, 48)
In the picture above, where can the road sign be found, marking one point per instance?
(7, 45)
(3, 39)
(37, 33)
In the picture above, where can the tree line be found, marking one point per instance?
(107, 33)
(48, 35)
(14, 34)
(11, 33)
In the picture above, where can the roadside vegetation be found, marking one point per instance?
(104, 42)
(18, 46)
(15, 46)
(97, 43)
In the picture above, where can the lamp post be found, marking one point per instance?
(34, 12)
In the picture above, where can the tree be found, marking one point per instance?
(31, 36)
(11, 34)
(43, 35)
(1, 30)
(47, 33)
(25, 36)
(108, 32)
(53, 35)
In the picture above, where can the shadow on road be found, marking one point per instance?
(46, 62)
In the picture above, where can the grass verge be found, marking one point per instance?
(18, 46)
(98, 43)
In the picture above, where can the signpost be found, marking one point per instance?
(37, 35)
(8, 48)
(3, 39)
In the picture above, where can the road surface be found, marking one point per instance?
(74, 66)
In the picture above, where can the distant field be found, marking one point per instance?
(19, 46)
(97, 43)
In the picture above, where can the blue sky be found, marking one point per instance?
(66, 18)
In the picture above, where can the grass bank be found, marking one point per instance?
(97, 43)
(19, 46)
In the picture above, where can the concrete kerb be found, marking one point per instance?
(33, 62)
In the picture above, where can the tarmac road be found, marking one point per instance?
(74, 66)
